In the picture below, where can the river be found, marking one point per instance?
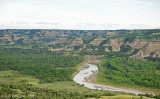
(80, 79)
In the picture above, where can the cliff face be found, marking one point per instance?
(150, 49)
(146, 48)
(115, 43)
(97, 41)
(77, 41)
(6, 38)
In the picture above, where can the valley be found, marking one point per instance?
(49, 63)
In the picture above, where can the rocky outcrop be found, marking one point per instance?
(115, 43)
(107, 50)
(134, 43)
(6, 39)
(70, 41)
(151, 49)
(147, 48)
(141, 44)
(77, 41)
(97, 41)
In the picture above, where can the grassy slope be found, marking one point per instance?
(14, 76)
(69, 86)
(101, 80)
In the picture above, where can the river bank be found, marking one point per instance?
(83, 78)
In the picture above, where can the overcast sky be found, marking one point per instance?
(79, 14)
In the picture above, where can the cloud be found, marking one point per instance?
(136, 26)
(16, 27)
(109, 25)
(85, 24)
(47, 23)
(19, 22)
(94, 26)
(80, 14)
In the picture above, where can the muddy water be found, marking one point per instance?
(80, 79)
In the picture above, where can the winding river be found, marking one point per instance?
(80, 78)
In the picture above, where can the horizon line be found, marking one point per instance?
(80, 29)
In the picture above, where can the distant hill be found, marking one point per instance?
(146, 43)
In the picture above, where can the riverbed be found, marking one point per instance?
(80, 78)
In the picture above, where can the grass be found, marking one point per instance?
(65, 85)
(122, 97)
(14, 76)
(7, 73)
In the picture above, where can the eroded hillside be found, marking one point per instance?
(138, 43)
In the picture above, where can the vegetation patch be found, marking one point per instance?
(48, 67)
(126, 71)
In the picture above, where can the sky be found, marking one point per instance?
(80, 14)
